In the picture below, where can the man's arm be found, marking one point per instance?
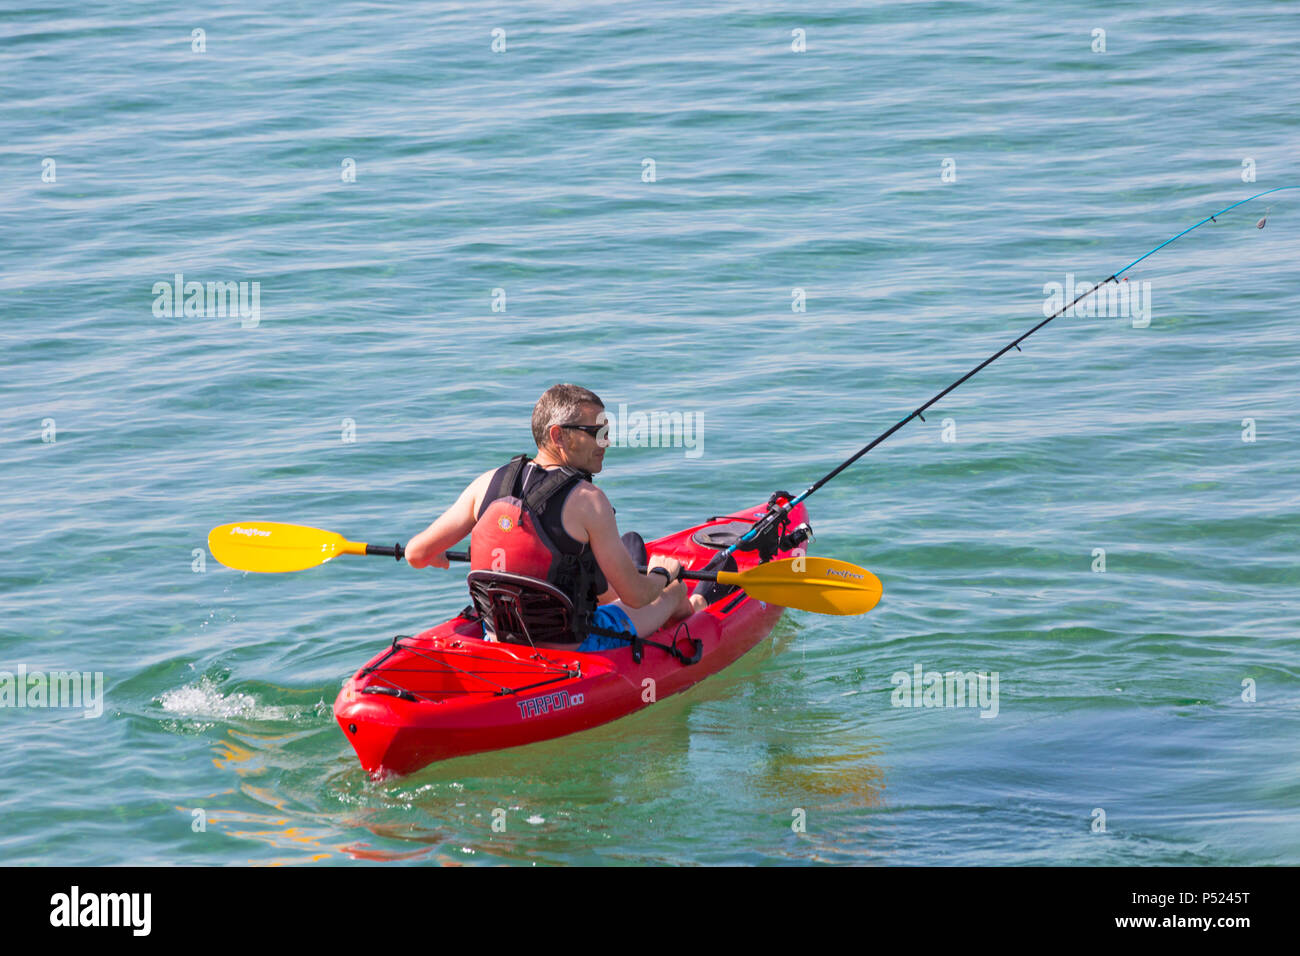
(633, 588)
(428, 547)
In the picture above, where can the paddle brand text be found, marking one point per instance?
(839, 572)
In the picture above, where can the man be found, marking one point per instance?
(576, 521)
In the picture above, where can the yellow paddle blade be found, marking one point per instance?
(820, 585)
(271, 546)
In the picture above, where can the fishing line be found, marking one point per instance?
(770, 524)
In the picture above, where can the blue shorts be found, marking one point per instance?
(608, 616)
(612, 618)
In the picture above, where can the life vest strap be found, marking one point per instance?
(537, 497)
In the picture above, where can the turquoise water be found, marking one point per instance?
(376, 379)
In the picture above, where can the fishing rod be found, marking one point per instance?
(766, 531)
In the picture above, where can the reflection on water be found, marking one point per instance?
(830, 779)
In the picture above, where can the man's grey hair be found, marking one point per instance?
(560, 405)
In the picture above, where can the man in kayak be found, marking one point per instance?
(552, 509)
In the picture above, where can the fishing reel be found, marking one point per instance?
(772, 532)
(796, 537)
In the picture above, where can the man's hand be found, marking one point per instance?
(671, 565)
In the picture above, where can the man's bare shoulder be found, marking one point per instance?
(477, 489)
(586, 509)
(589, 501)
(588, 492)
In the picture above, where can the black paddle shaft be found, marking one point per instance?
(464, 556)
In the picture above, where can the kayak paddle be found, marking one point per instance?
(269, 546)
(819, 585)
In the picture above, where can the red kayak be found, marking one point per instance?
(448, 693)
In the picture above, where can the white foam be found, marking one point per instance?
(203, 699)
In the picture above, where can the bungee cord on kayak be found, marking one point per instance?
(444, 679)
(768, 531)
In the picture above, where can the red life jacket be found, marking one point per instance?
(520, 532)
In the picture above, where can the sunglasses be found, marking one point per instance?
(592, 430)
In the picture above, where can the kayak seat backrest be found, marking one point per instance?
(520, 609)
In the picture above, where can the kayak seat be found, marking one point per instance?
(524, 610)
(520, 609)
